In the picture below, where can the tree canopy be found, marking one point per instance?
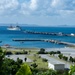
(24, 70)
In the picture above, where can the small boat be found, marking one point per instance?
(72, 34)
(13, 28)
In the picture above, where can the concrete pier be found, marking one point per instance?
(50, 33)
(46, 40)
(26, 39)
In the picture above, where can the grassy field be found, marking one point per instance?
(29, 50)
(38, 60)
(32, 54)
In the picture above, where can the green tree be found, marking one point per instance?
(71, 59)
(58, 52)
(19, 61)
(9, 67)
(25, 59)
(2, 56)
(72, 70)
(44, 60)
(48, 72)
(34, 65)
(24, 70)
(65, 58)
(74, 60)
(42, 51)
(60, 56)
(52, 53)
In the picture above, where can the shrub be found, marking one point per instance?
(42, 51)
(24, 70)
(45, 60)
(60, 56)
(9, 53)
(34, 65)
(20, 61)
(18, 53)
(25, 52)
(58, 52)
(65, 58)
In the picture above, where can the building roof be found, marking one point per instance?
(56, 62)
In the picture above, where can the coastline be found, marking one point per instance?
(32, 53)
(68, 50)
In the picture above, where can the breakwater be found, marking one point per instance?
(49, 33)
(46, 40)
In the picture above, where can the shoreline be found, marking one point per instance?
(63, 49)
(32, 54)
(15, 47)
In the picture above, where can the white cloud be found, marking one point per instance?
(8, 5)
(38, 7)
(24, 8)
(33, 5)
(55, 3)
(28, 7)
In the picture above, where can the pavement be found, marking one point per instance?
(67, 50)
(55, 61)
(14, 57)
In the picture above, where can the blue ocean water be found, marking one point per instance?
(6, 36)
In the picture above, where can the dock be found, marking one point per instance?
(27, 40)
(45, 40)
(50, 33)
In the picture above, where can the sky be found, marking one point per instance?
(38, 12)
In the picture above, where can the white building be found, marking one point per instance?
(56, 65)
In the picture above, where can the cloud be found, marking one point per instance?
(33, 5)
(66, 12)
(38, 7)
(8, 6)
(49, 7)
(56, 3)
(28, 7)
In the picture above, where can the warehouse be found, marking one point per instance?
(56, 65)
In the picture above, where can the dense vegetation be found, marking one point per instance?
(11, 67)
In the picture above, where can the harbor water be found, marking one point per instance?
(6, 36)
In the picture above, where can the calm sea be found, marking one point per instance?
(6, 36)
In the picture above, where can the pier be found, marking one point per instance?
(46, 40)
(27, 40)
(50, 33)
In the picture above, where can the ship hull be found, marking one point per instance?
(13, 28)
